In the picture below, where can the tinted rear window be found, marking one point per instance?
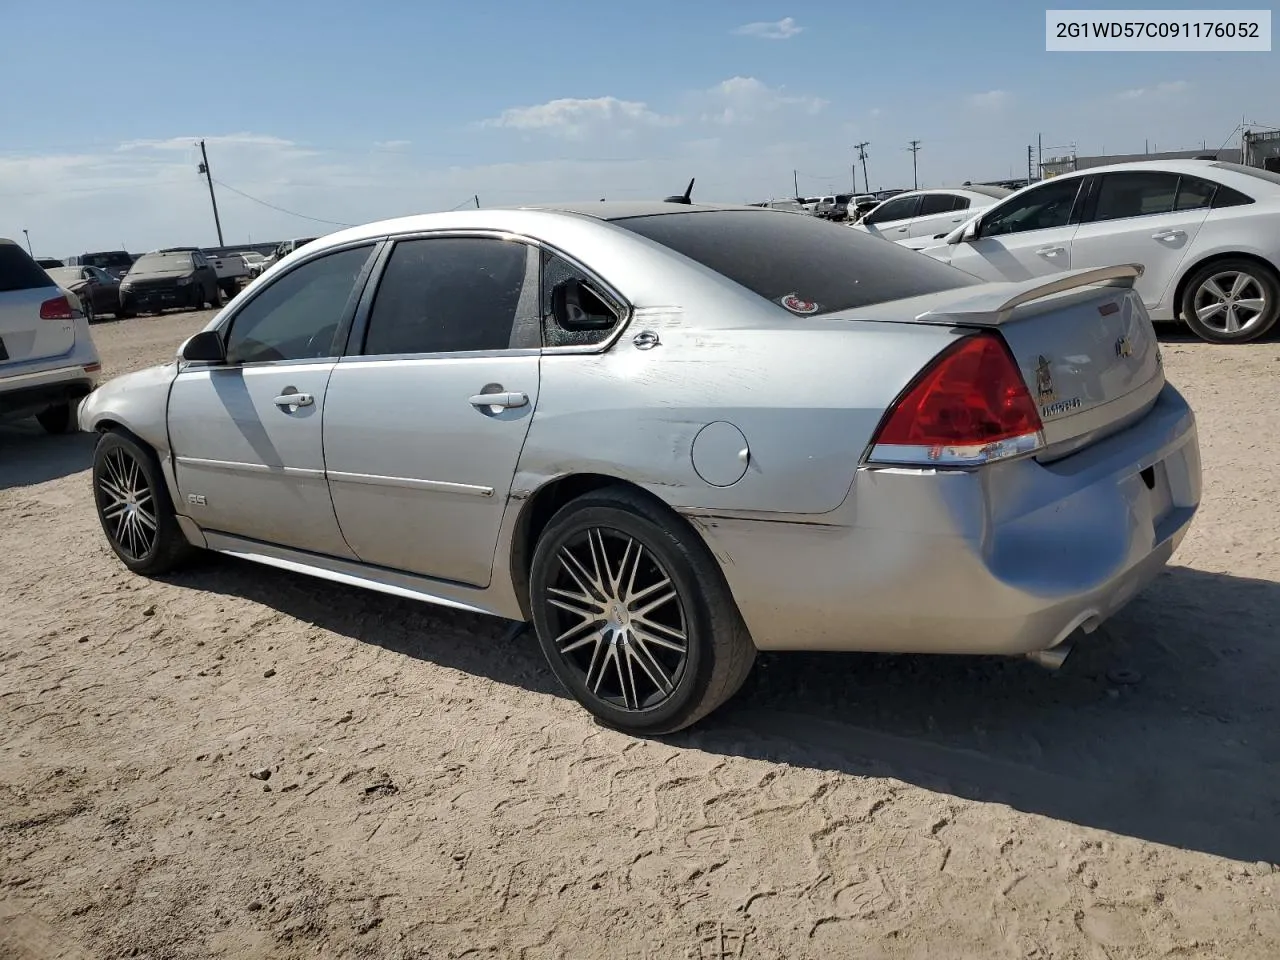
(18, 271)
(816, 266)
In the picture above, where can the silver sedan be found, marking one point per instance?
(669, 436)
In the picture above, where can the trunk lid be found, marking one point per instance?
(1083, 342)
(23, 288)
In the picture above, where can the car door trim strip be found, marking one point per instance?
(240, 467)
(411, 483)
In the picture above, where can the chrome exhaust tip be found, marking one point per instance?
(1054, 657)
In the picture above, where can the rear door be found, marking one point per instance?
(420, 464)
(892, 219)
(24, 286)
(1142, 216)
(939, 213)
(1028, 235)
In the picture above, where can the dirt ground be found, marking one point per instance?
(433, 794)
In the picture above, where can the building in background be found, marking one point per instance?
(1262, 149)
(1057, 165)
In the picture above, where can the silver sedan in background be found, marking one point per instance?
(669, 435)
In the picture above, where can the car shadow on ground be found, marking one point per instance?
(1162, 726)
(28, 455)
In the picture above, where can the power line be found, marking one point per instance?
(292, 213)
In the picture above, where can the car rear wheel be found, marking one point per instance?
(1231, 301)
(90, 315)
(56, 419)
(134, 508)
(634, 616)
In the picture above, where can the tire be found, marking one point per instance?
(127, 482)
(197, 297)
(90, 315)
(1250, 301)
(639, 543)
(56, 419)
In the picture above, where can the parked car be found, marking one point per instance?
(97, 290)
(47, 262)
(231, 270)
(286, 247)
(415, 406)
(254, 262)
(1206, 232)
(47, 357)
(823, 206)
(788, 205)
(115, 262)
(173, 278)
(928, 213)
(861, 205)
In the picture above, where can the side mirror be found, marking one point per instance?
(205, 347)
(964, 234)
(576, 306)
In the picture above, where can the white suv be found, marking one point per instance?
(47, 358)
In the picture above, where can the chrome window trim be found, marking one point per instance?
(352, 358)
(628, 309)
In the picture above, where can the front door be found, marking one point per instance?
(1145, 217)
(892, 219)
(424, 428)
(246, 435)
(1028, 235)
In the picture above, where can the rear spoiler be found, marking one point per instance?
(994, 308)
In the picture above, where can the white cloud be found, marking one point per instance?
(783, 29)
(572, 117)
(1167, 88)
(741, 100)
(990, 100)
(390, 144)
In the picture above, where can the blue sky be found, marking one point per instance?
(351, 112)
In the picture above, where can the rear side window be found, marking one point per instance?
(1194, 193)
(453, 294)
(807, 265)
(1227, 197)
(556, 270)
(1138, 194)
(18, 271)
(934, 203)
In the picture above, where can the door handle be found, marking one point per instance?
(294, 400)
(504, 400)
(1051, 251)
(1168, 235)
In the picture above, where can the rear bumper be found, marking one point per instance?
(1003, 561)
(27, 394)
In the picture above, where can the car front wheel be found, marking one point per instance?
(1231, 301)
(634, 616)
(134, 508)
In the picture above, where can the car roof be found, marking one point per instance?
(624, 209)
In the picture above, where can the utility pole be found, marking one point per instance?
(1040, 153)
(477, 199)
(1030, 178)
(28, 236)
(204, 168)
(795, 182)
(862, 155)
(915, 179)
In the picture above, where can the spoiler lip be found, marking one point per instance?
(996, 307)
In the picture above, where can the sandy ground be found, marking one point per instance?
(433, 794)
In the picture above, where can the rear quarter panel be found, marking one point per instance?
(807, 396)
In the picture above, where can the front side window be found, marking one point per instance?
(453, 294)
(1136, 194)
(1038, 209)
(899, 208)
(605, 315)
(298, 316)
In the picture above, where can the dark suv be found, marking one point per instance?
(178, 278)
(115, 262)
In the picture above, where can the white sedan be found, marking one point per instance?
(922, 215)
(1206, 232)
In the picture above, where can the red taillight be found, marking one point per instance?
(59, 308)
(969, 407)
